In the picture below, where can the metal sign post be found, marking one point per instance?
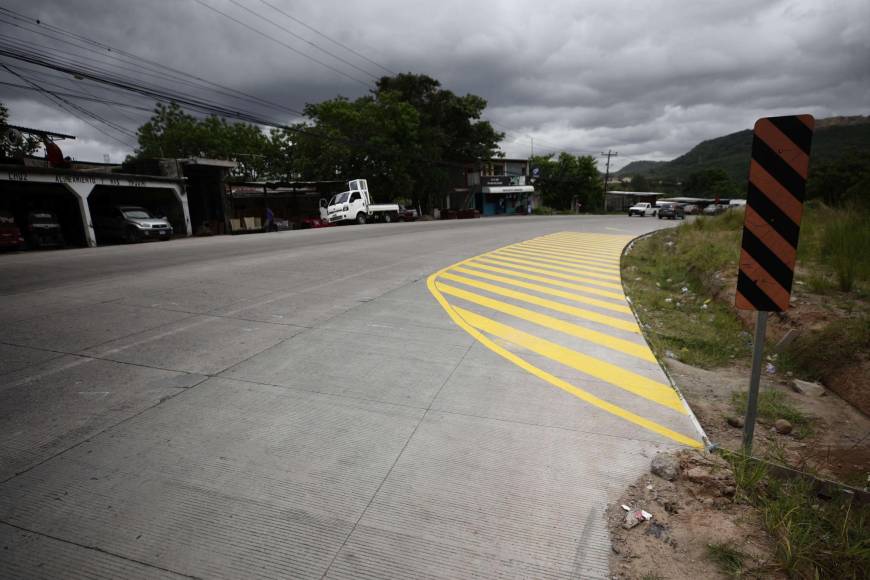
(774, 207)
(754, 380)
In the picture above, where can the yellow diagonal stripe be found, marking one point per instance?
(547, 280)
(632, 382)
(546, 268)
(546, 290)
(568, 261)
(548, 275)
(585, 250)
(531, 260)
(626, 325)
(581, 394)
(640, 351)
(593, 259)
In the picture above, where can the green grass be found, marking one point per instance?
(773, 405)
(689, 323)
(816, 355)
(729, 559)
(813, 537)
(833, 244)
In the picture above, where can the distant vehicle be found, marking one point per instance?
(737, 203)
(691, 209)
(10, 235)
(671, 211)
(643, 209)
(43, 229)
(130, 223)
(355, 206)
(714, 209)
(408, 214)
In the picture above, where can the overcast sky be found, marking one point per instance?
(647, 79)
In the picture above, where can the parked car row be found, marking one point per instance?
(39, 229)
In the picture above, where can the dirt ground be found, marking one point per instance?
(688, 514)
(839, 448)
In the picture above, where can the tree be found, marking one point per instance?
(404, 137)
(712, 183)
(23, 146)
(640, 183)
(568, 179)
(173, 133)
(841, 180)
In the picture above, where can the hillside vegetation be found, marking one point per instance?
(833, 138)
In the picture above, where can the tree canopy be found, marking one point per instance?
(568, 179)
(25, 145)
(712, 183)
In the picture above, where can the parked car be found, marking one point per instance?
(714, 209)
(691, 209)
(408, 214)
(671, 211)
(10, 235)
(130, 223)
(43, 229)
(643, 209)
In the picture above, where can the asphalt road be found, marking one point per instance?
(340, 403)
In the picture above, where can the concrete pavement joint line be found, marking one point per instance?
(474, 323)
(162, 400)
(100, 550)
(396, 460)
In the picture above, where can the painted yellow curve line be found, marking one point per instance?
(477, 325)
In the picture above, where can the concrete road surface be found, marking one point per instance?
(426, 400)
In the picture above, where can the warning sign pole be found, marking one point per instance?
(754, 380)
(774, 207)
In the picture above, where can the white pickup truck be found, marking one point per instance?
(355, 206)
(643, 209)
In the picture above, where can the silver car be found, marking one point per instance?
(130, 223)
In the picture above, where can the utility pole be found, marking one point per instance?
(609, 154)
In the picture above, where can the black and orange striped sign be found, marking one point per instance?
(774, 205)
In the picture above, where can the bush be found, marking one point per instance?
(543, 210)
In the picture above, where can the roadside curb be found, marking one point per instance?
(708, 444)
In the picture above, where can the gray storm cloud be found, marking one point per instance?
(648, 79)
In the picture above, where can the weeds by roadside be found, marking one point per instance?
(814, 537)
(773, 405)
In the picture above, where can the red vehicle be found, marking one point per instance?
(10, 235)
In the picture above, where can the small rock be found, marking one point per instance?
(729, 490)
(665, 466)
(770, 368)
(807, 388)
(735, 421)
(782, 427)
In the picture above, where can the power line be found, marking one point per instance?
(302, 38)
(329, 38)
(60, 101)
(282, 43)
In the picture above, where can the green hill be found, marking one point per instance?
(834, 137)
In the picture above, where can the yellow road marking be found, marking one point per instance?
(545, 269)
(547, 280)
(546, 290)
(531, 260)
(574, 248)
(640, 351)
(592, 259)
(568, 261)
(581, 394)
(632, 382)
(629, 326)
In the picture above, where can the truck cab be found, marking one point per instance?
(643, 209)
(355, 206)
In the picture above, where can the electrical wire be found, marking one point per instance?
(329, 38)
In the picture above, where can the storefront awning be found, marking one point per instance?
(509, 189)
